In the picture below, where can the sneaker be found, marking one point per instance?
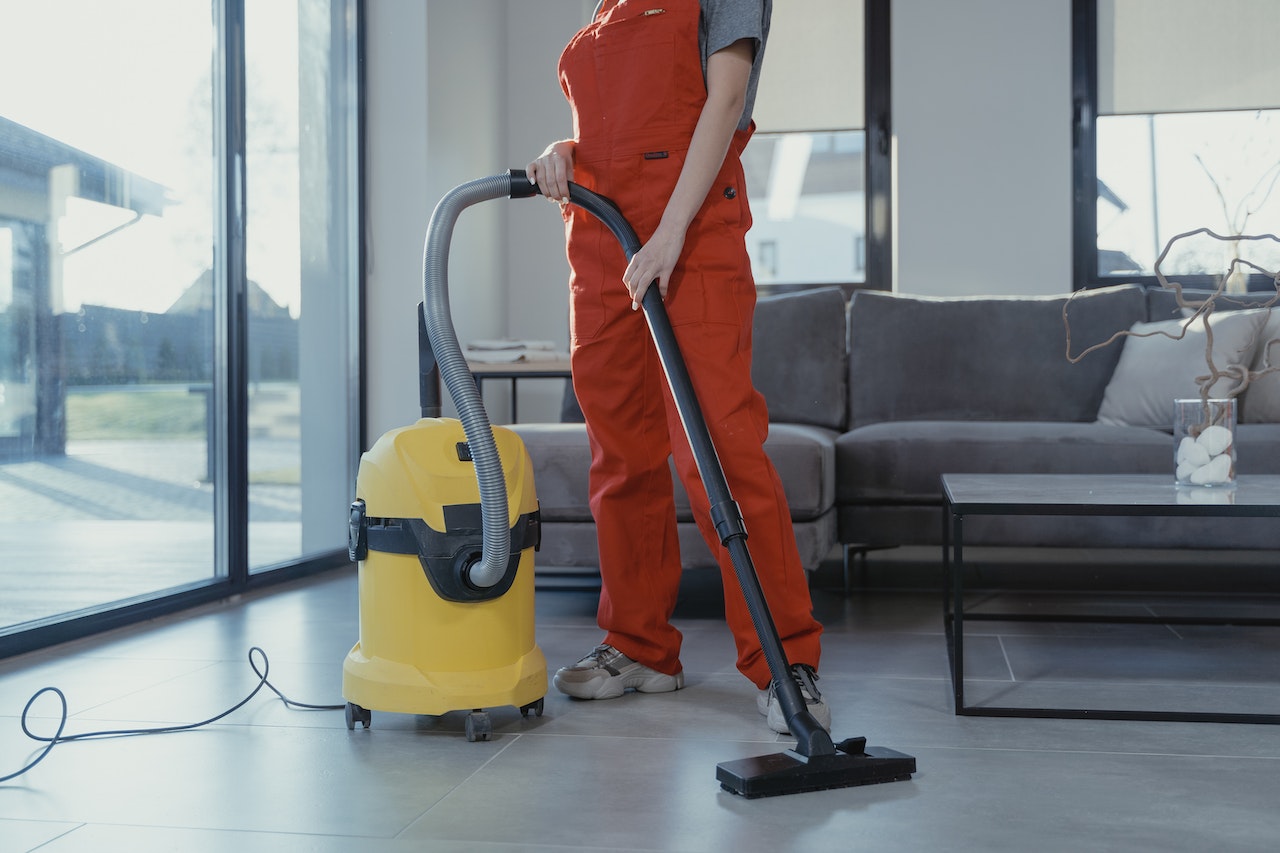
(606, 673)
(767, 700)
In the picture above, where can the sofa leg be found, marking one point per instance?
(855, 559)
(855, 563)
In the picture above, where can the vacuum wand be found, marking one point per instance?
(811, 737)
(816, 762)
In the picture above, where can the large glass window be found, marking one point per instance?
(301, 271)
(1187, 136)
(808, 206)
(807, 165)
(120, 328)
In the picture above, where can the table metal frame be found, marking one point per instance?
(1079, 495)
(515, 371)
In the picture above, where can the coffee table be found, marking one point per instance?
(1083, 495)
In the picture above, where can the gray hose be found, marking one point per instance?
(496, 544)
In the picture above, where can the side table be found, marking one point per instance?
(517, 370)
(1081, 495)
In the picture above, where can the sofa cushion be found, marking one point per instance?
(1156, 367)
(798, 356)
(902, 462)
(1256, 446)
(804, 457)
(1260, 403)
(561, 461)
(918, 358)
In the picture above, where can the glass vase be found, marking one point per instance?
(1204, 442)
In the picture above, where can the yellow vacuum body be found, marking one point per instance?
(429, 642)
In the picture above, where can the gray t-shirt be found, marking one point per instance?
(722, 23)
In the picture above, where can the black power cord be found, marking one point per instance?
(58, 737)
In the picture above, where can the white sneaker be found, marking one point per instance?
(607, 673)
(767, 700)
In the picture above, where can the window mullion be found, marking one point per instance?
(1084, 142)
(231, 467)
(878, 146)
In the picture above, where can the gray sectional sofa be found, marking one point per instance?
(872, 399)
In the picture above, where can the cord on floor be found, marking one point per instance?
(58, 737)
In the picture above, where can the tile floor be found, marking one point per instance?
(638, 773)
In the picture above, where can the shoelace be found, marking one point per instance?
(804, 677)
(603, 656)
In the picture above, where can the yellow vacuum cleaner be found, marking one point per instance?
(444, 527)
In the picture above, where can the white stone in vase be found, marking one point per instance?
(1216, 472)
(1192, 453)
(1215, 439)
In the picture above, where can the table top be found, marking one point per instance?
(514, 369)
(1106, 494)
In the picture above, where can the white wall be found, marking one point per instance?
(395, 196)
(460, 90)
(537, 114)
(982, 126)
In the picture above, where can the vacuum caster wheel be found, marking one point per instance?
(535, 707)
(479, 727)
(355, 713)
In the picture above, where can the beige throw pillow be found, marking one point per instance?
(1154, 370)
(1261, 403)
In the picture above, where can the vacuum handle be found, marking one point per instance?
(521, 186)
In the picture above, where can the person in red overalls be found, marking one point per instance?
(661, 94)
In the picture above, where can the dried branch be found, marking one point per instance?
(1200, 311)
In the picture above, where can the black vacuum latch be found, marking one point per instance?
(357, 533)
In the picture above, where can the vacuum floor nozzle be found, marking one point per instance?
(853, 763)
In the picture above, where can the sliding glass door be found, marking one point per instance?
(177, 292)
(301, 266)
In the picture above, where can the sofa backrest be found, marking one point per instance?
(983, 358)
(798, 356)
(1162, 302)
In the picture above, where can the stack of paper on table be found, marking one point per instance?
(508, 351)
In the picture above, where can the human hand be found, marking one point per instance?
(553, 170)
(654, 262)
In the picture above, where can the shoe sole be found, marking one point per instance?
(614, 686)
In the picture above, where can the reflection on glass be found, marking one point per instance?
(808, 209)
(1211, 496)
(105, 353)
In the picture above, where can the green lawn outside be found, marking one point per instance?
(139, 412)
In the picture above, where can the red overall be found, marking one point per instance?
(634, 80)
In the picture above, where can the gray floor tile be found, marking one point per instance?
(269, 778)
(1225, 657)
(102, 838)
(256, 778)
(17, 836)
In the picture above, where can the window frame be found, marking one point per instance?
(1084, 150)
(877, 130)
